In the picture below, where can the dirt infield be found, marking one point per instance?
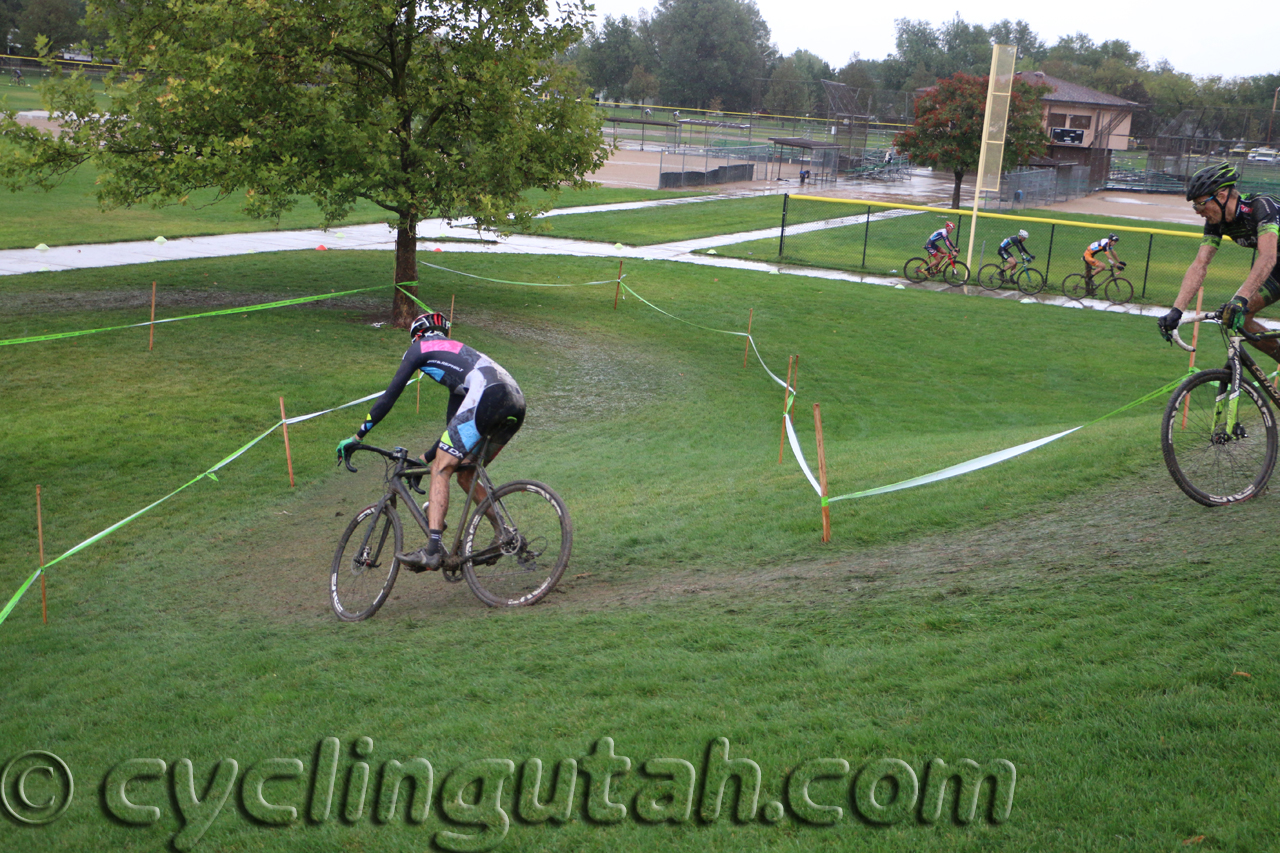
(640, 169)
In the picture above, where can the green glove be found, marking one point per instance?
(1233, 313)
(346, 446)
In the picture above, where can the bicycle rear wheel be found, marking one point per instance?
(365, 565)
(1213, 462)
(916, 269)
(955, 276)
(516, 566)
(991, 277)
(1074, 286)
(1118, 291)
(1030, 281)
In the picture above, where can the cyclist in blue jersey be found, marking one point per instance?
(1251, 221)
(939, 245)
(484, 402)
(1007, 247)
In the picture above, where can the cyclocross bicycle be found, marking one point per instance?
(1113, 288)
(953, 272)
(511, 548)
(1025, 278)
(1218, 433)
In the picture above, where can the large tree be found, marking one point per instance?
(423, 108)
(56, 20)
(712, 51)
(947, 133)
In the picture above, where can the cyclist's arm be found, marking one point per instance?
(1263, 264)
(1195, 275)
(383, 404)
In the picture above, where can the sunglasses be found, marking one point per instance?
(1200, 205)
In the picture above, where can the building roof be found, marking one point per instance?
(1072, 93)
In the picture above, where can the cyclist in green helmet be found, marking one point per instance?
(1251, 221)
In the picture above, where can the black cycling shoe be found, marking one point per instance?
(422, 561)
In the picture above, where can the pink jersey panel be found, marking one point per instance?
(441, 344)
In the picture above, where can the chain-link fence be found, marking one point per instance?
(691, 167)
(879, 238)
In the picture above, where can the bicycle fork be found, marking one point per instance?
(1226, 421)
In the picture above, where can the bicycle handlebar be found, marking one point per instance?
(398, 454)
(1209, 317)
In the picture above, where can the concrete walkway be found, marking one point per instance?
(382, 237)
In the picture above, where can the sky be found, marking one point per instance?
(1241, 44)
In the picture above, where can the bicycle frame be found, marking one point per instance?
(397, 488)
(1226, 408)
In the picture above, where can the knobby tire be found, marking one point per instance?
(365, 566)
(1212, 466)
(533, 556)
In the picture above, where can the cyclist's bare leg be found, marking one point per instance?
(465, 475)
(443, 468)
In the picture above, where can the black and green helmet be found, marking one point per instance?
(1210, 179)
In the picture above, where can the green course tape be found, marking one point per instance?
(519, 283)
(86, 543)
(242, 310)
(1002, 455)
(4, 614)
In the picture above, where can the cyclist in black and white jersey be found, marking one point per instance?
(484, 402)
(1007, 247)
(1251, 221)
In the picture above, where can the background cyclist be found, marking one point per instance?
(936, 254)
(1251, 221)
(484, 402)
(1107, 246)
(1008, 244)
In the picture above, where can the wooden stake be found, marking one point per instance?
(452, 296)
(746, 349)
(786, 395)
(617, 289)
(152, 341)
(1195, 336)
(44, 597)
(288, 458)
(822, 476)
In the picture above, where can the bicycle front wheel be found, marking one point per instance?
(991, 277)
(955, 276)
(365, 565)
(1118, 291)
(1030, 281)
(1214, 460)
(916, 269)
(508, 566)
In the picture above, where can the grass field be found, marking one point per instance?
(69, 214)
(1156, 263)
(1069, 612)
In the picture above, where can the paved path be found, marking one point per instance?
(382, 237)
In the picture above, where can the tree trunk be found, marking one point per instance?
(404, 309)
(955, 195)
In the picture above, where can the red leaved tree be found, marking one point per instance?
(947, 133)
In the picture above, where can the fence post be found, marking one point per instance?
(1151, 239)
(782, 238)
(44, 597)
(822, 476)
(866, 235)
(1049, 258)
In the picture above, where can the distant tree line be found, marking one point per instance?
(717, 54)
(22, 21)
